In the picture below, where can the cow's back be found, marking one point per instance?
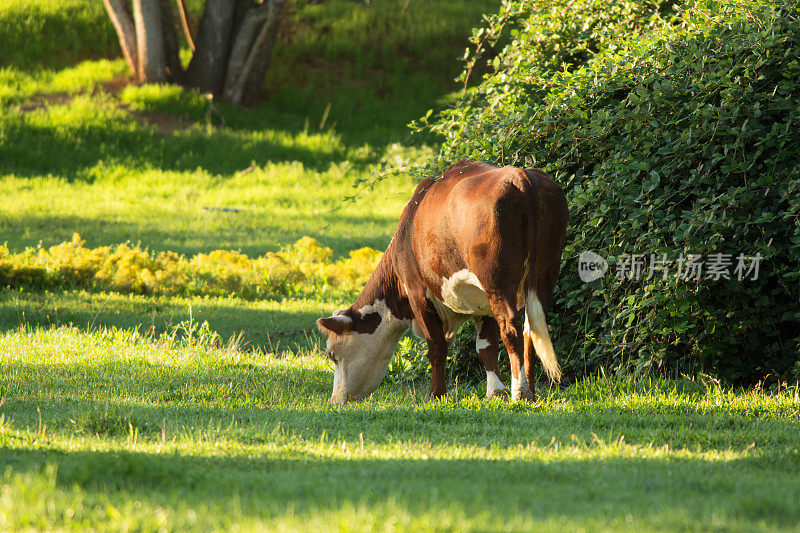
(470, 225)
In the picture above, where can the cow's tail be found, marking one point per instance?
(538, 338)
(547, 221)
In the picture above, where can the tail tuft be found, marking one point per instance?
(536, 327)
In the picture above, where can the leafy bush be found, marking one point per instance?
(673, 129)
(301, 269)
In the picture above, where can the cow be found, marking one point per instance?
(478, 242)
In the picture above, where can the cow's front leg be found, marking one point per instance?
(429, 324)
(487, 345)
(437, 355)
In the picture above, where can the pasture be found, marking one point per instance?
(142, 412)
(115, 431)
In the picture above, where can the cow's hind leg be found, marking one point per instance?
(510, 320)
(499, 265)
(487, 344)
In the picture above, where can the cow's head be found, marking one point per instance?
(360, 344)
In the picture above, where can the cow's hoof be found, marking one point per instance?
(500, 393)
(524, 396)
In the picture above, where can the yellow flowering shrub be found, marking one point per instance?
(355, 270)
(128, 269)
(72, 261)
(172, 276)
(303, 268)
(308, 250)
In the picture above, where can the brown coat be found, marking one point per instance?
(477, 242)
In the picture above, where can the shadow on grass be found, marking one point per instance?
(663, 492)
(257, 325)
(282, 405)
(115, 142)
(194, 230)
(258, 397)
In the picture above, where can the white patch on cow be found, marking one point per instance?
(415, 329)
(481, 344)
(493, 384)
(339, 390)
(463, 293)
(362, 358)
(451, 320)
(478, 341)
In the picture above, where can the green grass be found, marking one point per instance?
(128, 412)
(88, 165)
(264, 325)
(145, 163)
(249, 439)
(53, 33)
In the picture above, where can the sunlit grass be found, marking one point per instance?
(139, 431)
(79, 152)
(89, 166)
(133, 412)
(253, 324)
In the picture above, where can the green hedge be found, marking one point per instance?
(675, 129)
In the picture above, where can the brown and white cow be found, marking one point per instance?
(478, 242)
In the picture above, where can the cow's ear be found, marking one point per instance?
(339, 324)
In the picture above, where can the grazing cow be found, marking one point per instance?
(478, 242)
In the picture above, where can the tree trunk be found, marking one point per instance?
(152, 65)
(232, 46)
(252, 45)
(260, 64)
(121, 17)
(172, 56)
(207, 68)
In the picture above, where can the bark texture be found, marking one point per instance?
(188, 23)
(207, 68)
(251, 50)
(149, 41)
(122, 19)
(232, 44)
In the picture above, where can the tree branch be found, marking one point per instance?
(126, 32)
(188, 23)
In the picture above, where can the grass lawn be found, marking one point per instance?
(103, 165)
(80, 151)
(264, 324)
(129, 412)
(144, 434)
